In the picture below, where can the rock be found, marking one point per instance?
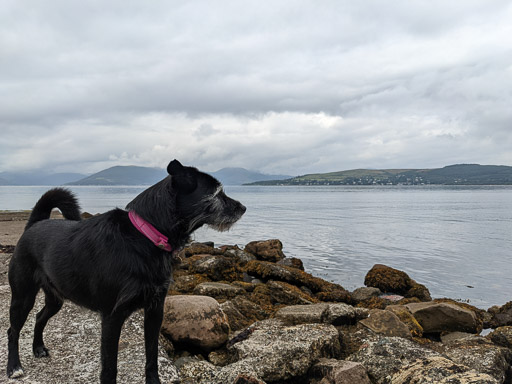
(268, 250)
(241, 312)
(301, 314)
(284, 293)
(272, 352)
(480, 354)
(439, 370)
(200, 248)
(407, 318)
(218, 290)
(443, 317)
(344, 314)
(247, 379)
(386, 323)
(186, 283)
(241, 256)
(292, 262)
(501, 316)
(456, 336)
(279, 352)
(388, 279)
(272, 271)
(385, 356)
(365, 293)
(337, 295)
(502, 336)
(216, 268)
(333, 371)
(196, 321)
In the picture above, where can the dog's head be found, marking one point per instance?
(200, 199)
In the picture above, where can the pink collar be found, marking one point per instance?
(149, 231)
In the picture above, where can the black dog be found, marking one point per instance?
(107, 264)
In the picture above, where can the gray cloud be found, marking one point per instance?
(297, 87)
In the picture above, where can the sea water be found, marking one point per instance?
(457, 240)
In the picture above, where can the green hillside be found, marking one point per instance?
(460, 174)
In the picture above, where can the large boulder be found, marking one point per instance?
(195, 321)
(443, 317)
(388, 279)
(216, 267)
(271, 352)
(439, 370)
(268, 250)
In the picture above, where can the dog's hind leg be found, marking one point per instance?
(52, 305)
(22, 301)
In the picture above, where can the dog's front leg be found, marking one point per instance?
(153, 316)
(110, 332)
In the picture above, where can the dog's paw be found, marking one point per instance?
(41, 352)
(15, 373)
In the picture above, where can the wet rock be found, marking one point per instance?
(196, 321)
(501, 316)
(443, 317)
(288, 294)
(332, 371)
(502, 336)
(218, 290)
(388, 279)
(480, 354)
(385, 356)
(268, 250)
(386, 323)
(302, 314)
(439, 370)
(291, 262)
(365, 293)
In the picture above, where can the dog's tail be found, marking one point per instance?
(60, 198)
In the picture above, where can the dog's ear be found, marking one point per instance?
(182, 178)
(175, 168)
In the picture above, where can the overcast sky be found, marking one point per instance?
(288, 87)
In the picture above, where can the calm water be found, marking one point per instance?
(455, 240)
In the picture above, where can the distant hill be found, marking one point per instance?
(38, 178)
(124, 175)
(459, 174)
(239, 176)
(132, 175)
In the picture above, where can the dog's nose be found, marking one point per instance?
(242, 208)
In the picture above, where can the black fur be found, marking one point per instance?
(106, 265)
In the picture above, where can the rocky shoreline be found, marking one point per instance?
(253, 315)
